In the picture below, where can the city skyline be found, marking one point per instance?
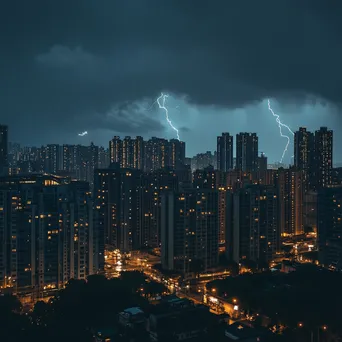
(170, 170)
(105, 80)
(287, 150)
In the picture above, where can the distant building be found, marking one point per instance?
(225, 150)
(323, 160)
(304, 153)
(262, 163)
(203, 160)
(3, 149)
(247, 145)
(177, 154)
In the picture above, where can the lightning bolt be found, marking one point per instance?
(82, 134)
(281, 125)
(161, 103)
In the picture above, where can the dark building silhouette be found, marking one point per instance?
(46, 232)
(254, 232)
(247, 145)
(118, 207)
(189, 230)
(153, 185)
(329, 226)
(3, 149)
(225, 152)
(290, 184)
(262, 163)
(304, 154)
(323, 159)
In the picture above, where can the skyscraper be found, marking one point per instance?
(189, 230)
(118, 207)
(329, 219)
(115, 150)
(304, 147)
(127, 153)
(225, 152)
(262, 163)
(255, 226)
(290, 185)
(177, 154)
(3, 149)
(53, 158)
(138, 153)
(323, 159)
(153, 186)
(46, 231)
(247, 152)
(157, 154)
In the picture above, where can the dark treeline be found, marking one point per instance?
(308, 298)
(77, 311)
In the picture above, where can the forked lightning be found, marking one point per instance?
(281, 125)
(161, 103)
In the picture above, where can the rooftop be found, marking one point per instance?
(133, 311)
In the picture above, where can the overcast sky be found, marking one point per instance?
(98, 65)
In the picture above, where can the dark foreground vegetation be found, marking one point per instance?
(76, 312)
(306, 301)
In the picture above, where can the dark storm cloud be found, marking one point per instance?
(125, 118)
(69, 62)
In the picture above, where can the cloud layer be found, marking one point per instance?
(69, 62)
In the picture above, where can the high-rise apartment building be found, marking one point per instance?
(247, 145)
(262, 163)
(290, 183)
(103, 158)
(150, 155)
(189, 230)
(52, 158)
(127, 159)
(225, 152)
(329, 219)
(153, 185)
(80, 161)
(138, 153)
(3, 149)
(203, 160)
(177, 154)
(205, 179)
(323, 159)
(304, 153)
(254, 233)
(115, 150)
(46, 231)
(313, 153)
(118, 207)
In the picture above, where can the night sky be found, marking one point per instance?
(74, 65)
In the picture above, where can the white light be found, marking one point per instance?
(162, 106)
(280, 124)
